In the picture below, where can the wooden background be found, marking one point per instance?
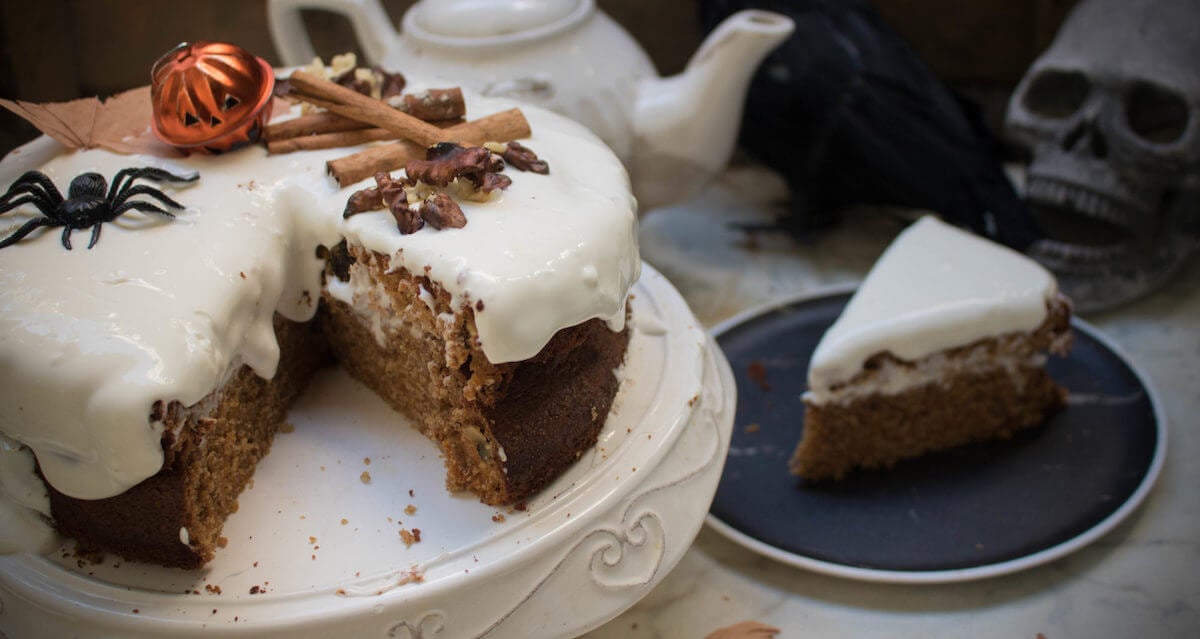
(61, 49)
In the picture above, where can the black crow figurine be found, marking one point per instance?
(849, 114)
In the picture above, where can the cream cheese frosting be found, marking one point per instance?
(167, 310)
(935, 287)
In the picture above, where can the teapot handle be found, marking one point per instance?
(370, 22)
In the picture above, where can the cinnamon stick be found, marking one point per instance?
(498, 127)
(332, 140)
(312, 124)
(337, 139)
(352, 104)
(433, 105)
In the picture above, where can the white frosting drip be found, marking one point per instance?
(566, 241)
(24, 504)
(935, 287)
(90, 339)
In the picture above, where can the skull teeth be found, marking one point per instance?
(1066, 257)
(1081, 200)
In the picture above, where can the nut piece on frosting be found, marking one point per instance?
(449, 170)
(520, 156)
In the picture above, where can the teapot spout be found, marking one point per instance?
(686, 125)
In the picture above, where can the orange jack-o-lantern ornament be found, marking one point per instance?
(210, 96)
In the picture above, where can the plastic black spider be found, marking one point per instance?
(87, 205)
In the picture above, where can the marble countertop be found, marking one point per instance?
(1140, 580)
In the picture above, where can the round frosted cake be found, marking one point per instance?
(143, 377)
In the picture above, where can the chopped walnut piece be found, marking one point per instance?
(353, 79)
(369, 81)
(445, 161)
(441, 211)
(523, 158)
(407, 220)
(494, 181)
(393, 84)
(431, 186)
(370, 199)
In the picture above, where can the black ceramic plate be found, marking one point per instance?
(975, 511)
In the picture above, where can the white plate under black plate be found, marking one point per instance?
(971, 512)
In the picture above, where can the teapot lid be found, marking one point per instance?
(492, 19)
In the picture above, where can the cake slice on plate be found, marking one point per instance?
(944, 343)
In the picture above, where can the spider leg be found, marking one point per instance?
(142, 189)
(34, 198)
(139, 205)
(19, 194)
(95, 234)
(30, 179)
(117, 190)
(25, 229)
(66, 237)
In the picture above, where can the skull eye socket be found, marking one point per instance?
(1156, 114)
(1056, 94)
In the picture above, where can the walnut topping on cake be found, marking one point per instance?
(446, 161)
(371, 81)
(520, 156)
(449, 171)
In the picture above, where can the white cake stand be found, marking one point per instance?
(316, 548)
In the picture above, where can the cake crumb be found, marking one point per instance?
(757, 373)
(752, 428)
(287, 427)
(222, 541)
(341, 592)
(414, 575)
(312, 540)
(520, 506)
(255, 589)
(410, 537)
(365, 477)
(410, 492)
(498, 518)
(410, 510)
(367, 461)
(212, 589)
(345, 521)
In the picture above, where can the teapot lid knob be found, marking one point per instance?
(490, 18)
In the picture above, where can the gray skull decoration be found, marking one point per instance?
(1111, 114)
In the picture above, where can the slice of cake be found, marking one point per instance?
(144, 377)
(944, 343)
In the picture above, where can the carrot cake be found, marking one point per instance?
(144, 377)
(944, 343)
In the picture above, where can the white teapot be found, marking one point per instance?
(673, 134)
